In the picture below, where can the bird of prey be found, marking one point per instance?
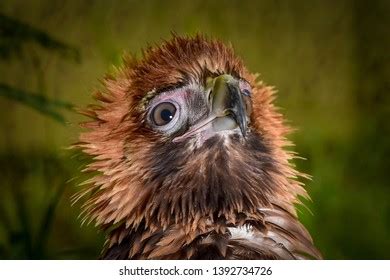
(189, 160)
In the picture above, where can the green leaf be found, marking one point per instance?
(14, 34)
(37, 101)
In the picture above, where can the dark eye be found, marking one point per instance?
(163, 113)
(246, 88)
(246, 92)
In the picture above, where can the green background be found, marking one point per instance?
(329, 61)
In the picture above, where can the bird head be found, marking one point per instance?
(183, 135)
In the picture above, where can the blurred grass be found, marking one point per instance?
(328, 60)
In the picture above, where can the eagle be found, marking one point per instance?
(189, 159)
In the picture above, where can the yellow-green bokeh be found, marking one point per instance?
(329, 61)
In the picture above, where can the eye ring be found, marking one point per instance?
(163, 113)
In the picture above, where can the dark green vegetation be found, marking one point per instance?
(329, 61)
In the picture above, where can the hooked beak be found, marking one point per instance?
(228, 102)
(227, 109)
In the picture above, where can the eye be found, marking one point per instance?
(245, 87)
(246, 92)
(163, 113)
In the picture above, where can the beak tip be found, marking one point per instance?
(243, 129)
(228, 98)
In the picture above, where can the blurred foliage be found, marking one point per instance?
(37, 101)
(30, 217)
(328, 60)
(26, 233)
(13, 36)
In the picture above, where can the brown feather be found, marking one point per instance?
(170, 200)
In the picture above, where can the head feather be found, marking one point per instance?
(143, 180)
